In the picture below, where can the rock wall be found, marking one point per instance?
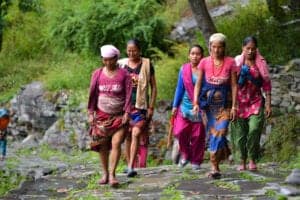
(286, 87)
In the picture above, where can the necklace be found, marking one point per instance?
(218, 65)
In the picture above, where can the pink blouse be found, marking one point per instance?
(217, 76)
(111, 95)
(249, 96)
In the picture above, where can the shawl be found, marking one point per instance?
(260, 62)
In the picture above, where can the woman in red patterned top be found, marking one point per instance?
(253, 79)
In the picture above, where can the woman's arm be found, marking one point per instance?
(93, 97)
(128, 93)
(234, 94)
(197, 91)
(268, 110)
(153, 95)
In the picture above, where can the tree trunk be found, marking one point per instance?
(204, 21)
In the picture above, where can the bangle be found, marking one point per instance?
(234, 108)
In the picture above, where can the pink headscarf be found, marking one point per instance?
(260, 63)
(109, 51)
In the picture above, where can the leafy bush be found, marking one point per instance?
(282, 144)
(92, 24)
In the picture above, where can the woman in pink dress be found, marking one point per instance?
(253, 78)
(109, 108)
(188, 127)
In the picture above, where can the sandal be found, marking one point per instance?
(103, 181)
(131, 173)
(183, 163)
(214, 175)
(114, 183)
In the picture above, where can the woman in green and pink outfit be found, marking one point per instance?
(253, 78)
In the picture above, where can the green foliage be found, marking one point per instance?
(23, 35)
(295, 163)
(87, 26)
(166, 71)
(73, 72)
(30, 5)
(282, 144)
(278, 44)
(8, 181)
(270, 193)
(174, 10)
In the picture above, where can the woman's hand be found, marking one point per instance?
(91, 118)
(268, 111)
(196, 109)
(150, 112)
(125, 118)
(233, 114)
(174, 111)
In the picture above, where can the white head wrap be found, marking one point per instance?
(109, 51)
(217, 37)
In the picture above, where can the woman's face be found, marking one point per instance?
(217, 49)
(195, 55)
(249, 50)
(133, 51)
(110, 62)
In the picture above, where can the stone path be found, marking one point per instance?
(165, 182)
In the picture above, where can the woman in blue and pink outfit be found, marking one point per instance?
(188, 127)
(217, 88)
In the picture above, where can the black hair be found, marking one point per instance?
(197, 46)
(135, 42)
(250, 39)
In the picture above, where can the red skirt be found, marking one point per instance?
(101, 131)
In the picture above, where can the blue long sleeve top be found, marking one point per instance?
(182, 100)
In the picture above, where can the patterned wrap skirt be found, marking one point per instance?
(102, 130)
(218, 119)
(138, 119)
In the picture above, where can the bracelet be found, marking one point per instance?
(234, 108)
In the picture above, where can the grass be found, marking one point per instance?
(9, 180)
(227, 185)
(171, 192)
(166, 71)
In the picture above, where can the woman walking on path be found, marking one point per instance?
(217, 88)
(188, 127)
(109, 108)
(142, 106)
(253, 77)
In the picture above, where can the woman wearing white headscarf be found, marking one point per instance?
(217, 88)
(108, 107)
